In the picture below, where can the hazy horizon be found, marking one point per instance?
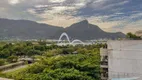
(109, 15)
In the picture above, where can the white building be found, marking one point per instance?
(124, 60)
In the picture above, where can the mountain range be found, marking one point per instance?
(25, 29)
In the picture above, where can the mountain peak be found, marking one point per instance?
(84, 21)
(81, 25)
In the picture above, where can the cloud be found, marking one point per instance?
(51, 12)
(62, 21)
(56, 1)
(115, 5)
(130, 23)
(14, 2)
(133, 27)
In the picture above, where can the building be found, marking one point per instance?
(104, 64)
(122, 60)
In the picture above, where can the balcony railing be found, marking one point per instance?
(104, 63)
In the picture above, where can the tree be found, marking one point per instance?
(4, 53)
(12, 59)
(33, 52)
(133, 36)
(59, 62)
(2, 62)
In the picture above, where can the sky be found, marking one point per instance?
(109, 15)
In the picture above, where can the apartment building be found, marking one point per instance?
(122, 60)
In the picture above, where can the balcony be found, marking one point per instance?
(104, 76)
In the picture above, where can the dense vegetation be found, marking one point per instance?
(133, 36)
(54, 62)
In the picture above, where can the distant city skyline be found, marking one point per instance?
(109, 15)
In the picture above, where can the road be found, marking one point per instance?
(14, 69)
(5, 79)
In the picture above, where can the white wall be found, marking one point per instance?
(125, 59)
